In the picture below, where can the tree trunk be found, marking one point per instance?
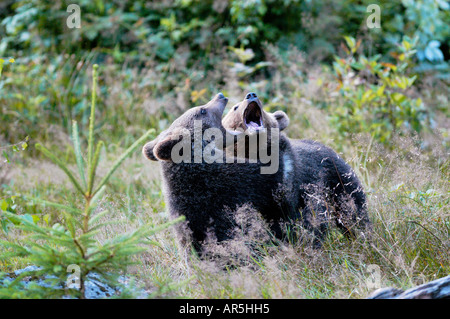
(437, 289)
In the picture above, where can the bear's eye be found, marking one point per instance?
(202, 111)
(236, 107)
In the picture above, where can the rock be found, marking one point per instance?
(95, 288)
(385, 293)
(437, 289)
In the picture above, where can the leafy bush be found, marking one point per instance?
(426, 20)
(136, 29)
(374, 95)
(179, 45)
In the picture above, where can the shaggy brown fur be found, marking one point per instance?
(205, 193)
(327, 186)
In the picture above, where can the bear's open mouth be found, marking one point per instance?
(253, 117)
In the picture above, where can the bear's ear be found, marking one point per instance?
(282, 119)
(147, 150)
(163, 148)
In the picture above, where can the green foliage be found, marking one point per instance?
(426, 20)
(180, 44)
(54, 247)
(136, 29)
(7, 150)
(1, 65)
(374, 94)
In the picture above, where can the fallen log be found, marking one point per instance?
(437, 289)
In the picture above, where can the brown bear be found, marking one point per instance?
(205, 190)
(327, 186)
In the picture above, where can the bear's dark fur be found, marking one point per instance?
(327, 187)
(205, 192)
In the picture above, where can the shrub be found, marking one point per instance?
(374, 95)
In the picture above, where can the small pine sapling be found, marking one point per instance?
(70, 245)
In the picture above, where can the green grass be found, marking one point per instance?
(409, 245)
(407, 181)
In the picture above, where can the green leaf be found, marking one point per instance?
(351, 42)
(72, 210)
(46, 218)
(78, 155)
(27, 217)
(380, 90)
(57, 268)
(398, 98)
(3, 204)
(367, 96)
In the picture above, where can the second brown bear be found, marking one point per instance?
(327, 187)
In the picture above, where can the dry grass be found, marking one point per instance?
(408, 205)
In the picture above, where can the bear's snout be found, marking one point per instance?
(251, 95)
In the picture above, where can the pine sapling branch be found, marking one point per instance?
(93, 168)
(92, 117)
(61, 165)
(78, 155)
